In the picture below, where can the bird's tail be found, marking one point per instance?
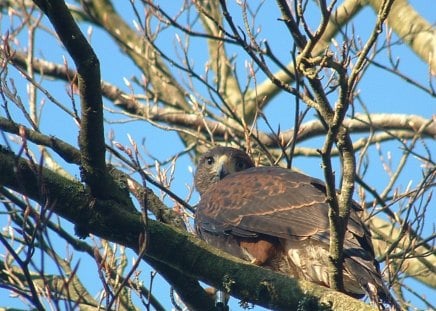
(380, 296)
(370, 280)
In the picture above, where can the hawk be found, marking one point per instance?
(278, 218)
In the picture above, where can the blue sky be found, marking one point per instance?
(382, 92)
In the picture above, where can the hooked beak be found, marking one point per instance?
(223, 167)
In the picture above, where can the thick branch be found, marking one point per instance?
(65, 150)
(112, 222)
(361, 123)
(91, 138)
(107, 219)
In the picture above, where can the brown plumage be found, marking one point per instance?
(278, 219)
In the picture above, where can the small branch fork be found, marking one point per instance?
(91, 137)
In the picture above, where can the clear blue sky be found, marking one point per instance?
(381, 91)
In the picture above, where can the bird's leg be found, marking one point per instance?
(259, 251)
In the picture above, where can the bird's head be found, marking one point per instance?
(217, 163)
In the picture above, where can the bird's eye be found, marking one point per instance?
(210, 160)
(240, 165)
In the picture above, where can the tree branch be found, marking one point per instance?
(412, 28)
(113, 222)
(91, 137)
(360, 123)
(165, 87)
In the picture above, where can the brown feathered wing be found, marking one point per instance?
(281, 205)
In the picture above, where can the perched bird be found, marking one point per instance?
(278, 218)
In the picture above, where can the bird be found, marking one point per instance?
(278, 218)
